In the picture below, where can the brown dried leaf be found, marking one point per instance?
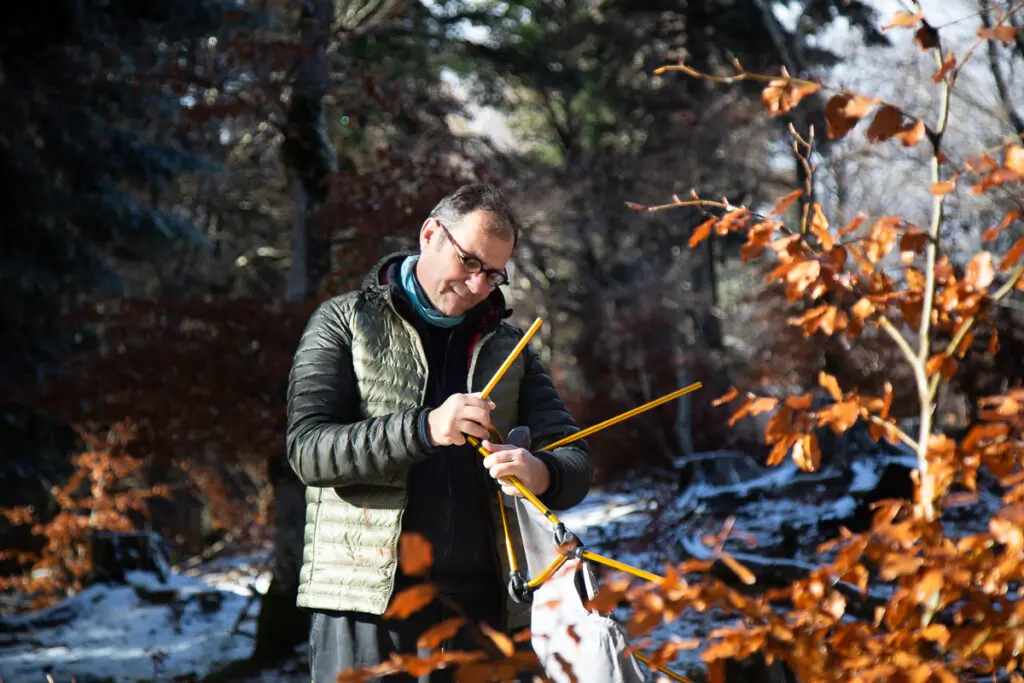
(1013, 255)
(501, 640)
(943, 364)
(802, 274)
(415, 554)
(829, 383)
(762, 405)
(840, 416)
(726, 398)
(1015, 159)
(744, 574)
(948, 65)
(1003, 33)
(911, 134)
(782, 94)
(926, 37)
(912, 242)
(943, 188)
(783, 204)
(702, 232)
(437, 634)
(802, 402)
(844, 111)
(863, 308)
(806, 453)
(1010, 217)
(904, 20)
(410, 601)
(819, 227)
(852, 225)
(980, 272)
(885, 124)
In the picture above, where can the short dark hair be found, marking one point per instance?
(479, 197)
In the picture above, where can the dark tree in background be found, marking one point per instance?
(90, 93)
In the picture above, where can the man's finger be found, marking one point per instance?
(472, 428)
(475, 401)
(476, 414)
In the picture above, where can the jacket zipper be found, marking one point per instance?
(449, 485)
(423, 397)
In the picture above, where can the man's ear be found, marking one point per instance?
(428, 232)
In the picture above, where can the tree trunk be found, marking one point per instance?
(309, 159)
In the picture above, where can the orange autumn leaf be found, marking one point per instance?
(948, 64)
(410, 601)
(819, 228)
(726, 397)
(806, 453)
(1003, 33)
(783, 204)
(904, 20)
(415, 554)
(852, 225)
(840, 416)
(763, 405)
(437, 634)
(980, 272)
(863, 308)
(702, 232)
(829, 383)
(844, 111)
(782, 94)
(801, 402)
(1015, 159)
(501, 640)
(926, 36)
(943, 188)
(1010, 217)
(744, 574)
(1012, 255)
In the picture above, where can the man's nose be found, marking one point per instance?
(477, 283)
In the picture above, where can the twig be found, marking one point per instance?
(744, 75)
(969, 323)
(926, 504)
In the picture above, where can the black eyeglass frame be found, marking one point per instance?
(473, 264)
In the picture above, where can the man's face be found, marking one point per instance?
(441, 273)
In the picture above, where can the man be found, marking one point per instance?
(384, 386)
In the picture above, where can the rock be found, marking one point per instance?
(115, 552)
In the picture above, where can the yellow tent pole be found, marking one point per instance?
(624, 416)
(668, 672)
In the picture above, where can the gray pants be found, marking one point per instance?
(347, 640)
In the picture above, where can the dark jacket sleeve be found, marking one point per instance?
(543, 411)
(328, 444)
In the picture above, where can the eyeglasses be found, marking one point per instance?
(473, 265)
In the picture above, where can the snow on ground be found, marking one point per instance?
(109, 632)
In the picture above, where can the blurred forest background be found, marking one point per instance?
(184, 181)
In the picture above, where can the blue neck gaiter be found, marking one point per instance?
(419, 299)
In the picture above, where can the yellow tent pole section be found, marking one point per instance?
(513, 563)
(511, 358)
(668, 672)
(624, 416)
(546, 574)
(622, 566)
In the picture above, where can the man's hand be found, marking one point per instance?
(506, 460)
(459, 415)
